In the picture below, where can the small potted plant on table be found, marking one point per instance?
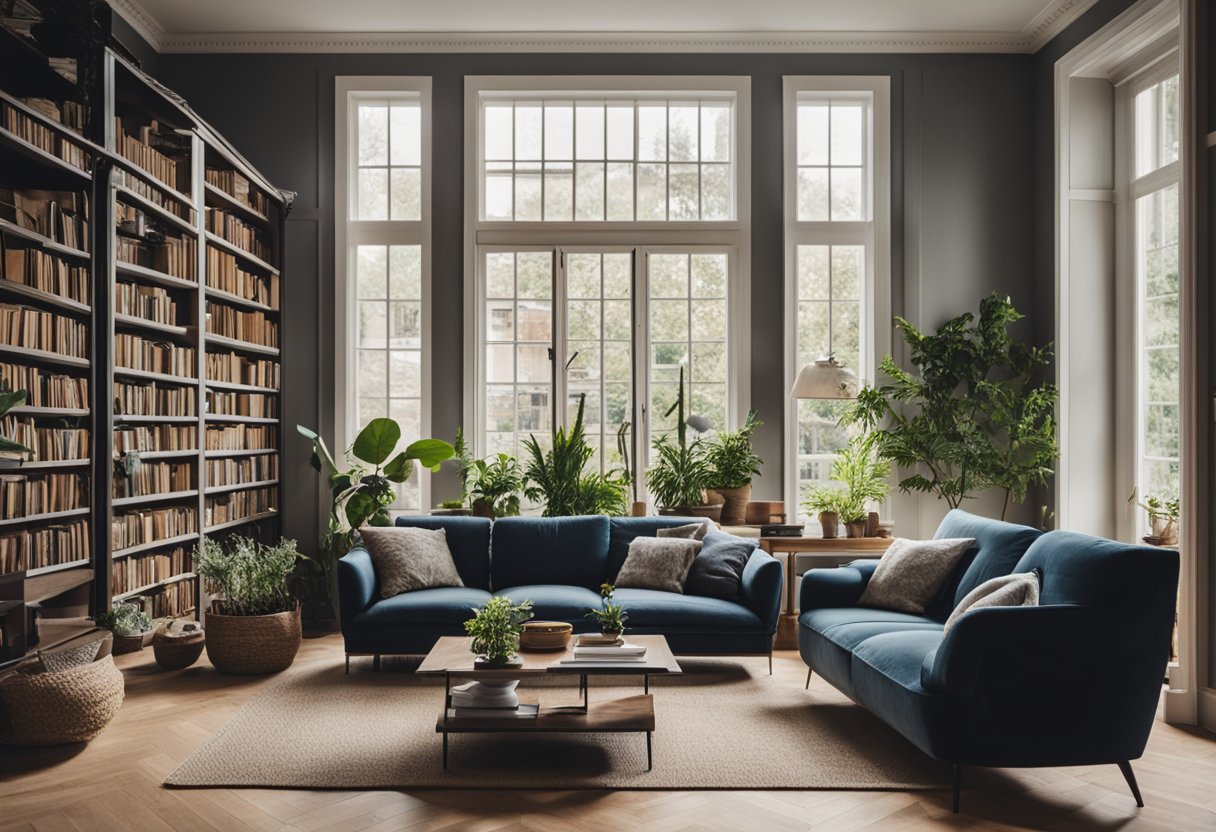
(1162, 521)
(732, 463)
(495, 486)
(495, 630)
(611, 616)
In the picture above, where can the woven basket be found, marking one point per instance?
(57, 708)
(249, 644)
(174, 648)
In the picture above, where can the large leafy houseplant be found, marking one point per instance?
(560, 477)
(495, 485)
(732, 463)
(495, 629)
(680, 473)
(975, 413)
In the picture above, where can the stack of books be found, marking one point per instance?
(478, 701)
(598, 650)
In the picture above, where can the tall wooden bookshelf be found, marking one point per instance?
(169, 380)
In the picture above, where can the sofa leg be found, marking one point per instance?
(770, 662)
(808, 678)
(348, 664)
(958, 786)
(376, 662)
(1130, 777)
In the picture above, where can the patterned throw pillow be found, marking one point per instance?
(658, 563)
(408, 559)
(912, 572)
(692, 531)
(1018, 590)
(56, 661)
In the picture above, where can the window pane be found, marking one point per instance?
(559, 132)
(405, 373)
(813, 194)
(715, 192)
(620, 191)
(559, 191)
(708, 275)
(669, 275)
(682, 140)
(405, 272)
(813, 134)
(534, 272)
(373, 134)
(847, 138)
(683, 192)
(652, 192)
(371, 272)
(652, 132)
(715, 133)
(846, 194)
(406, 189)
(498, 196)
(528, 196)
(620, 131)
(373, 324)
(373, 194)
(847, 272)
(528, 132)
(589, 191)
(405, 324)
(814, 274)
(590, 124)
(406, 122)
(498, 132)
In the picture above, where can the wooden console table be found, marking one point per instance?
(787, 624)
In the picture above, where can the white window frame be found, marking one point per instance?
(874, 234)
(733, 235)
(350, 234)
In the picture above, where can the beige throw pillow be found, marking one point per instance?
(408, 559)
(1019, 590)
(658, 563)
(692, 531)
(911, 573)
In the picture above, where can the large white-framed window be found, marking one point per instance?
(607, 231)
(837, 252)
(383, 261)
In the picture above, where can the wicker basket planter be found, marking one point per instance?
(177, 647)
(57, 708)
(252, 644)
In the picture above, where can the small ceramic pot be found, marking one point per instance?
(830, 522)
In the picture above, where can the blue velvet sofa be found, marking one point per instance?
(1073, 681)
(559, 564)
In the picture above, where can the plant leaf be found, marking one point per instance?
(430, 452)
(377, 440)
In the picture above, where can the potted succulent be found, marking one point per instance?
(495, 630)
(611, 616)
(495, 486)
(12, 453)
(1162, 520)
(254, 625)
(559, 477)
(128, 624)
(732, 463)
(680, 473)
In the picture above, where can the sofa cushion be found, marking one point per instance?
(622, 531)
(998, 547)
(660, 563)
(1019, 590)
(410, 559)
(651, 609)
(556, 602)
(911, 573)
(446, 607)
(468, 540)
(693, 531)
(827, 637)
(717, 571)
(549, 550)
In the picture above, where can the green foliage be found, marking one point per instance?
(611, 616)
(495, 628)
(124, 619)
(1157, 508)
(8, 400)
(361, 494)
(498, 481)
(731, 460)
(861, 478)
(681, 473)
(560, 478)
(463, 457)
(976, 414)
(252, 577)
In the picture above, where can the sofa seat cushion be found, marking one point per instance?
(828, 637)
(651, 609)
(445, 607)
(556, 602)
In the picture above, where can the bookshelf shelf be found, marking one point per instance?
(154, 326)
(56, 567)
(239, 253)
(43, 355)
(42, 465)
(185, 576)
(148, 375)
(242, 346)
(47, 585)
(219, 198)
(155, 544)
(148, 499)
(49, 412)
(30, 293)
(42, 240)
(237, 300)
(241, 521)
(45, 517)
(147, 275)
(16, 151)
(246, 420)
(31, 71)
(130, 197)
(241, 388)
(250, 452)
(155, 455)
(138, 418)
(241, 486)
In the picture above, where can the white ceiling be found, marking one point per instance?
(986, 25)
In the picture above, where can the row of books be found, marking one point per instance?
(130, 574)
(26, 549)
(224, 273)
(238, 232)
(36, 329)
(154, 195)
(133, 528)
(253, 327)
(241, 437)
(154, 478)
(236, 471)
(258, 405)
(137, 353)
(177, 599)
(34, 132)
(239, 505)
(44, 388)
(61, 216)
(44, 271)
(49, 444)
(24, 495)
(238, 369)
(238, 187)
(174, 256)
(137, 147)
(152, 303)
(153, 438)
(153, 400)
(71, 114)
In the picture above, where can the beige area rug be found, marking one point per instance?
(724, 724)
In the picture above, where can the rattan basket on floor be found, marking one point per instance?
(175, 647)
(249, 644)
(56, 708)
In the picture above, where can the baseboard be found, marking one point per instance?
(1207, 708)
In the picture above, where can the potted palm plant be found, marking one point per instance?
(494, 486)
(680, 473)
(732, 463)
(563, 479)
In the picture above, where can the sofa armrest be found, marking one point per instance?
(840, 586)
(761, 590)
(356, 584)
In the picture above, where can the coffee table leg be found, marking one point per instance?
(445, 750)
(645, 683)
(649, 753)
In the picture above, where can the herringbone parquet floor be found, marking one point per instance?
(114, 784)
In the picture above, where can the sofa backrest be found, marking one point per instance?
(549, 550)
(998, 548)
(622, 531)
(469, 541)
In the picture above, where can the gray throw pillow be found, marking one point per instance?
(912, 572)
(692, 531)
(658, 563)
(408, 559)
(1018, 590)
(717, 571)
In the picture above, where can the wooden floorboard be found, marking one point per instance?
(114, 784)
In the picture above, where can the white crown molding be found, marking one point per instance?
(1048, 23)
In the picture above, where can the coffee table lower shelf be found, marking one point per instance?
(631, 715)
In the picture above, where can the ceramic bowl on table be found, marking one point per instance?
(540, 636)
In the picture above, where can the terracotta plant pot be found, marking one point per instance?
(483, 508)
(252, 644)
(638, 509)
(734, 507)
(128, 644)
(856, 528)
(712, 512)
(830, 521)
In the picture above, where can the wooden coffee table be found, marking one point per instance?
(451, 658)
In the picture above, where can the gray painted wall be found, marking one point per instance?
(962, 195)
